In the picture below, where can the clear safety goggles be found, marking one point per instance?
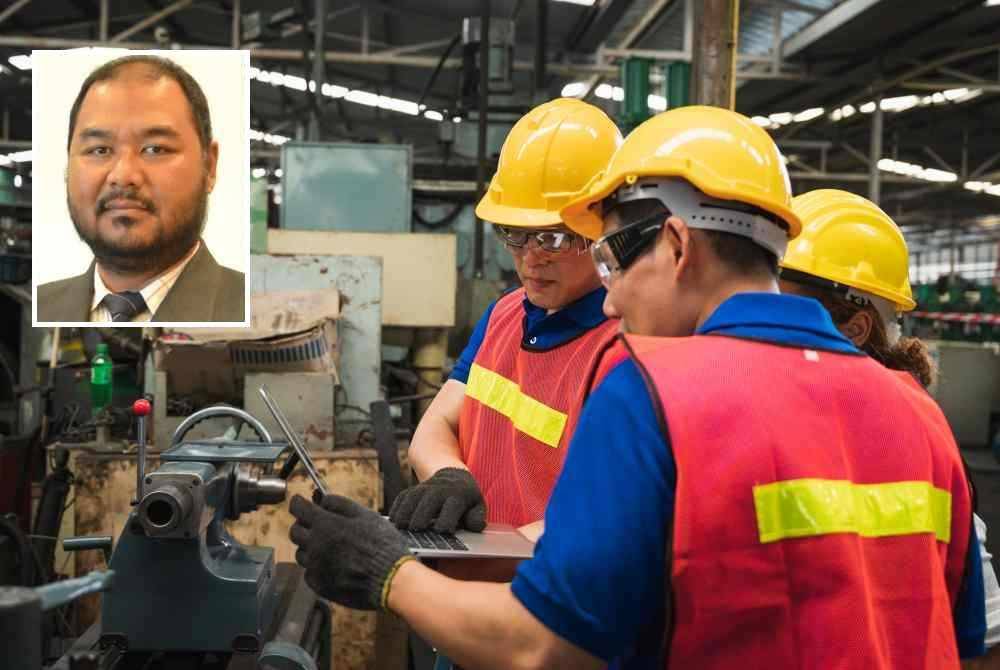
(615, 252)
(549, 241)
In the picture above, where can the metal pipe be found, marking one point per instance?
(319, 68)
(237, 34)
(10, 11)
(874, 177)
(541, 31)
(150, 20)
(103, 25)
(484, 101)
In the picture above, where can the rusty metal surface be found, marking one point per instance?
(359, 281)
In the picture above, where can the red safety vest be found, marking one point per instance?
(520, 409)
(822, 511)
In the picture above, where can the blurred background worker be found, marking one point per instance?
(490, 446)
(852, 257)
(736, 497)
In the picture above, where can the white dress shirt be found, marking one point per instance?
(154, 292)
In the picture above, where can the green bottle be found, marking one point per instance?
(100, 379)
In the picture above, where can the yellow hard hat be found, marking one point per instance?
(722, 153)
(551, 154)
(847, 239)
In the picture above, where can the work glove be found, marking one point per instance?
(449, 498)
(350, 553)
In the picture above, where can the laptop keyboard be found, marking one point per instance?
(432, 540)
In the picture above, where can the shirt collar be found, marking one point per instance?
(587, 311)
(153, 291)
(792, 319)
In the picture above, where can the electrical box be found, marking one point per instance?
(346, 187)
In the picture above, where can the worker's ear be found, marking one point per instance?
(211, 163)
(676, 236)
(858, 328)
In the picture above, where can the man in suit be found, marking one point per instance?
(142, 163)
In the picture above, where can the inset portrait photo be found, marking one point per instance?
(141, 173)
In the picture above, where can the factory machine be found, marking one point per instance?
(180, 591)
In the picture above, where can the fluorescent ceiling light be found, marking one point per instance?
(356, 96)
(22, 62)
(268, 137)
(584, 3)
(992, 3)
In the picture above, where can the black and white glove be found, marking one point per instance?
(448, 499)
(350, 553)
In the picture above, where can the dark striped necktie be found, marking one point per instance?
(125, 305)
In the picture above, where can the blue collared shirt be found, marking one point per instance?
(542, 331)
(597, 575)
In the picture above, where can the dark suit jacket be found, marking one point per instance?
(204, 291)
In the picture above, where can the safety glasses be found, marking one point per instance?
(550, 241)
(615, 252)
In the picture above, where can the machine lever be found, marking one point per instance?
(141, 408)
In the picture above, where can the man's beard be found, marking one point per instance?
(169, 244)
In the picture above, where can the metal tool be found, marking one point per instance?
(293, 439)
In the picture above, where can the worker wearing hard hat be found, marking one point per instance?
(852, 258)
(739, 498)
(491, 444)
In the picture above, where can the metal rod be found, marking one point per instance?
(150, 20)
(236, 28)
(937, 158)
(140, 468)
(365, 28)
(874, 184)
(319, 68)
(484, 103)
(776, 38)
(102, 30)
(541, 33)
(10, 11)
(293, 439)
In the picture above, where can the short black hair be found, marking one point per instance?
(158, 67)
(739, 253)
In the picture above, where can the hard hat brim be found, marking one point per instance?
(516, 217)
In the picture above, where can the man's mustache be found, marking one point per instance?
(126, 194)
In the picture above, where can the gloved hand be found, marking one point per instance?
(448, 498)
(350, 553)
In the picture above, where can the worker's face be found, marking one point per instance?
(553, 280)
(138, 179)
(652, 295)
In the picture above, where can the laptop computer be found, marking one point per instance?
(496, 541)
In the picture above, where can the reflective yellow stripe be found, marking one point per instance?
(809, 507)
(527, 414)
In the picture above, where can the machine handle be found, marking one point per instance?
(57, 594)
(220, 410)
(141, 408)
(88, 542)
